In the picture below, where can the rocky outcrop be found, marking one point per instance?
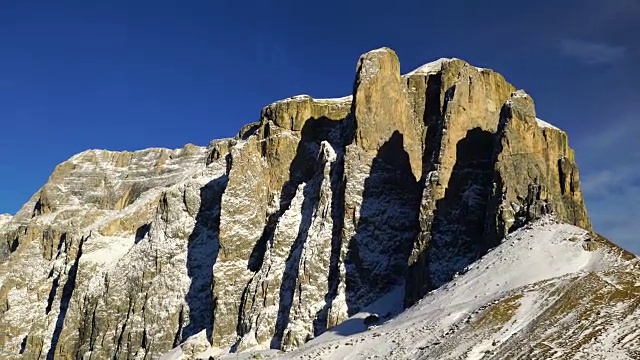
(309, 214)
(535, 171)
(476, 169)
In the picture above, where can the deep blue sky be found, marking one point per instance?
(125, 75)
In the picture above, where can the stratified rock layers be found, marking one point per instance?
(308, 215)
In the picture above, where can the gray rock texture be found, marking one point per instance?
(309, 214)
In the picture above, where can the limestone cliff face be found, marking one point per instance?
(316, 210)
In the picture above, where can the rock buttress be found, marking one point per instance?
(485, 170)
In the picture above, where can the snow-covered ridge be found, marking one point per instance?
(301, 97)
(174, 151)
(543, 124)
(72, 186)
(520, 94)
(347, 98)
(429, 68)
(434, 67)
(450, 322)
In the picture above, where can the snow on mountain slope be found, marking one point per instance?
(507, 299)
(94, 240)
(545, 125)
(559, 289)
(5, 218)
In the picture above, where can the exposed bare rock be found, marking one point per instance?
(381, 107)
(535, 170)
(307, 216)
(294, 112)
(466, 112)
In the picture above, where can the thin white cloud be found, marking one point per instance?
(592, 53)
(600, 183)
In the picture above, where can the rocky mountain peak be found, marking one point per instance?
(381, 107)
(311, 213)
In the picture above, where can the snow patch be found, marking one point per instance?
(435, 66)
(5, 218)
(379, 50)
(106, 250)
(303, 97)
(429, 68)
(519, 94)
(545, 125)
(343, 99)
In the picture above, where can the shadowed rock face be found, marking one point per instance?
(308, 215)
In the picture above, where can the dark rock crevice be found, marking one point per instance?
(290, 280)
(142, 232)
(302, 169)
(457, 231)
(65, 301)
(202, 252)
(322, 322)
(52, 294)
(306, 168)
(378, 253)
(417, 279)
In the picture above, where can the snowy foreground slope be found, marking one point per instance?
(539, 294)
(550, 290)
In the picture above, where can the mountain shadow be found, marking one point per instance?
(202, 253)
(458, 235)
(306, 168)
(301, 170)
(454, 229)
(387, 226)
(418, 281)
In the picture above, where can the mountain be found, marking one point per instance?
(431, 192)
